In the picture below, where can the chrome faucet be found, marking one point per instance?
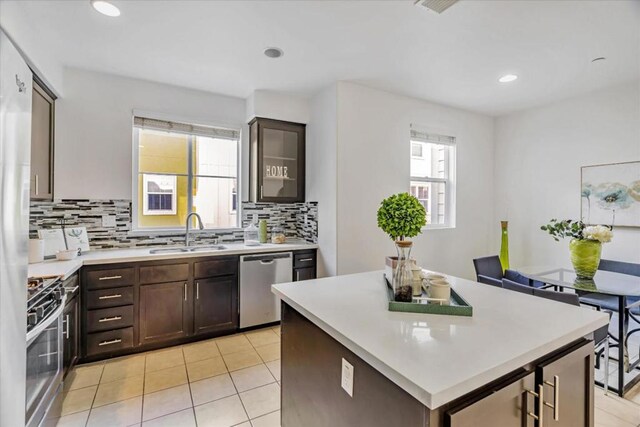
(188, 229)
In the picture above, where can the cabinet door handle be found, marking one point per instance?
(305, 259)
(185, 291)
(110, 296)
(297, 275)
(556, 397)
(109, 277)
(197, 290)
(109, 319)
(540, 398)
(66, 332)
(261, 187)
(116, 341)
(37, 185)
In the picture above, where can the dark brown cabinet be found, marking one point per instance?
(558, 393)
(71, 334)
(42, 142)
(277, 159)
(216, 304)
(164, 313)
(304, 265)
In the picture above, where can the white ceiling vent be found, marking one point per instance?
(437, 5)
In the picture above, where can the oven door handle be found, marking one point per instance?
(33, 334)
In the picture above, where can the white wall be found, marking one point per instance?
(321, 174)
(93, 156)
(539, 153)
(373, 158)
(277, 105)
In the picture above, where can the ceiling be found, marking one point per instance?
(454, 58)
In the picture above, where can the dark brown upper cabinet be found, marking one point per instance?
(42, 143)
(277, 161)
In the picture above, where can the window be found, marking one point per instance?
(416, 149)
(181, 168)
(432, 176)
(159, 194)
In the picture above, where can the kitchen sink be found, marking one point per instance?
(188, 249)
(207, 248)
(168, 250)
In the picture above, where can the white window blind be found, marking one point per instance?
(417, 135)
(176, 127)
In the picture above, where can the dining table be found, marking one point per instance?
(608, 285)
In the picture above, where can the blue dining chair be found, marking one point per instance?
(518, 287)
(600, 336)
(609, 302)
(489, 270)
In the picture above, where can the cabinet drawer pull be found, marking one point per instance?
(556, 397)
(110, 296)
(116, 341)
(109, 319)
(66, 322)
(540, 396)
(109, 277)
(305, 259)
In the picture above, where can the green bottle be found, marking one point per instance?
(262, 232)
(504, 245)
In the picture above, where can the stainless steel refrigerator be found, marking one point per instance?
(15, 147)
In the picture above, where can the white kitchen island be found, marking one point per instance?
(432, 368)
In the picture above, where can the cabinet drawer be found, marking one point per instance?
(103, 298)
(109, 318)
(107, 342)
(306, 259)
(164, 273)
(111, 278)
(216, 267)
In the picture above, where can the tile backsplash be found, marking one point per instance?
(300, 221)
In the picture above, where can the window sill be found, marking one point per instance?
(180, 231)
(438, 227)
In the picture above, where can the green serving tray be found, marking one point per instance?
(457, 306)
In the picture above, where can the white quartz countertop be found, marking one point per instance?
(110, 256)
(437, 358)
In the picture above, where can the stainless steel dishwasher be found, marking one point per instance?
(258, 305)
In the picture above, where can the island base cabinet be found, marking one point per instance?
(568, 388)
(163, 312)
(216, 304)
(554, 390)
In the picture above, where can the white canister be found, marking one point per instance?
(36, 250)
(440, 289)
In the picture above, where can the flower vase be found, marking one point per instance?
(403, 276)
(585, 257)
(504, 245)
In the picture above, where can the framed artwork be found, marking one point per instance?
(611, 194)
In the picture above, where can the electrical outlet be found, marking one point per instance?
(347, 377)
(108, 220)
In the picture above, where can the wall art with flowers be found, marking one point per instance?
(611, 194)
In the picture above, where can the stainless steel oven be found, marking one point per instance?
(44, 354)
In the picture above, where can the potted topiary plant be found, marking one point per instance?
(402, 216)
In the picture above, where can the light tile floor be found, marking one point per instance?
(223, 382)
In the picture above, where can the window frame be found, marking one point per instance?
(449, 182)
(191, 177)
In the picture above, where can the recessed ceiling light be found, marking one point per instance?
(105, 8)
(508, 78)
(273, 52)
